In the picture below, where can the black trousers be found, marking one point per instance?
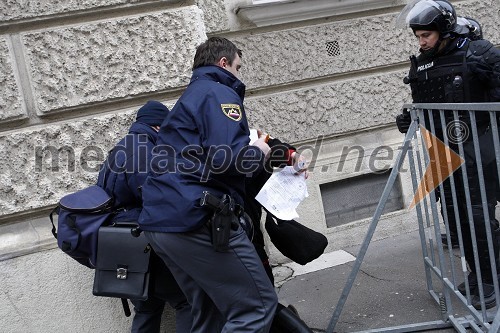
(482, 217)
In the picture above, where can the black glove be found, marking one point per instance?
(403, 121)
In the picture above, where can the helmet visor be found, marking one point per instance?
(418, 12)
(464, 26)
(463, 21)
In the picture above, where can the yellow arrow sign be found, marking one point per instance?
(443, 162)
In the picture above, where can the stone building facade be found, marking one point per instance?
(325, 75)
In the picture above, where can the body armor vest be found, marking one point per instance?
(441, 80)
(446, 79)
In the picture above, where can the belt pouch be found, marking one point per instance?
(221, 227)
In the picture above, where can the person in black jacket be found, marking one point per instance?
(453, 69)
(282, 154)
(286, 319)
(130, 160)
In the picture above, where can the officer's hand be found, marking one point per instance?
(261, 143)
(403, 121)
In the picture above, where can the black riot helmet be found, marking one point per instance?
(475, 32)
(433, 15)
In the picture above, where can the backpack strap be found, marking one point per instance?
(126, 307)
(54, 211)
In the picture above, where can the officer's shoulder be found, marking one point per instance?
(479, 47)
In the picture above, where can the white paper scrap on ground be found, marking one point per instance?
(326, 260)
(283, 192)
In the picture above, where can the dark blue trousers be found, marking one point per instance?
(164, 289)
(228, 291)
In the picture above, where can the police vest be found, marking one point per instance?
(447, 79)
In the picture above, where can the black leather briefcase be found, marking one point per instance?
(122, 268)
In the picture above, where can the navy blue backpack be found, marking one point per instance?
(80, 215)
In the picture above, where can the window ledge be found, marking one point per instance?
(277, 12)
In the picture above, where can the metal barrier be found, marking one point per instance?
(453, 151)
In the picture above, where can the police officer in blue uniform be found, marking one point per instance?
(122, 176)
(203, 147)
(453, 69)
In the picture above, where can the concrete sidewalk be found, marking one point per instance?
(389, 290)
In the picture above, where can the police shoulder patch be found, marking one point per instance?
(232, 111)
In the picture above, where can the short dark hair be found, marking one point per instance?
(212, 50)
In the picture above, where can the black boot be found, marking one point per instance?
(453, 239)
(286, 321)
(472, 278)
(489, 297)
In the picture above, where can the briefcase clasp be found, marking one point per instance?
(121, 273)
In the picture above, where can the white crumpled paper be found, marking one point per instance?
(283, 193)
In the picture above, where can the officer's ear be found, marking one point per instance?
(222, 62)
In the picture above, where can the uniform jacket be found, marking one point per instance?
(126, 169)
(202, 146)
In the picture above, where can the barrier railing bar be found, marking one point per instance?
(371, 230)
(478, 320)
(415, 149)
(424, 326)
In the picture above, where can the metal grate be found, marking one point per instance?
(333, 48)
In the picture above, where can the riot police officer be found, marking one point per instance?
(453, 69)
(475, 31)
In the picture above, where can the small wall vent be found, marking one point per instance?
(333, 48)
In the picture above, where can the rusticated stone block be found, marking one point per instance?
(341, 47)
(279, 57)
(52, 160)
(10, 98)
(337, 108)
(102, 61)
(214, 14)
(22, 9)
